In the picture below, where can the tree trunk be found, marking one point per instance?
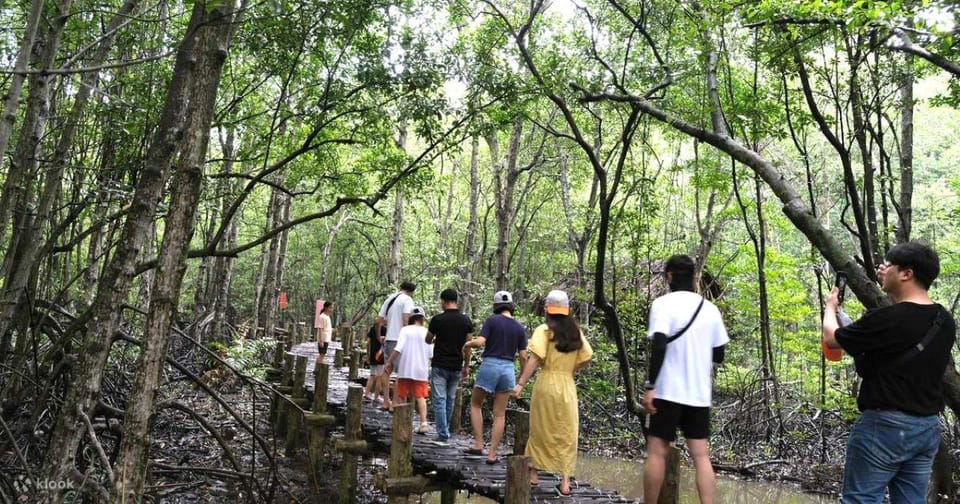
(21, 258)
(104, 314)
(506, 177)
(905, 222)
(10, 106)
(468, 291)
(212, 47)
(222, 273)
(396, 238)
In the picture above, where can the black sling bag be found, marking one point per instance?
(924, 343)
(671, 339)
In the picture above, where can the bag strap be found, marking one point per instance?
(386, 313)
(671, 339)
(924, 343)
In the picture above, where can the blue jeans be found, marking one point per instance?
(890, 449)
(443, 388)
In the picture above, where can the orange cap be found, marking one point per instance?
(831, 354)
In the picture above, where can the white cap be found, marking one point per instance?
(418, 310)
(502, 297)
(557, 303)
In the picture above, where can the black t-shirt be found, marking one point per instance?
(879, 337)
(375, 345)
(451, 329)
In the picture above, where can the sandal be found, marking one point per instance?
(559, 489)
(491, 462)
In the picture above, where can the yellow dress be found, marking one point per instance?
(554, 409)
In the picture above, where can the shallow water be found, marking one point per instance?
(625, 476)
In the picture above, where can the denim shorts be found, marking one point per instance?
(388, 347)
(496, 375)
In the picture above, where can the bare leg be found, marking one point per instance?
(654, 468)
(565, 484)
(499, 420)
(706, 481)
(476, 416)
(534, 475)
(385, 388)
(422, 410)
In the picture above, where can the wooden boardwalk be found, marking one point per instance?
(443, 463)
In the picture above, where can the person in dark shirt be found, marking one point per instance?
(900, 351)
(448, 331)
(502, 338)
(376, 361)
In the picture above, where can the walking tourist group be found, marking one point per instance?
(900, 353)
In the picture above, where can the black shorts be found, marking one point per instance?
(693, 421)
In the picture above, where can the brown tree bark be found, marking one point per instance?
(102, 319)
(24, 170)
(10, 106)
(905, 213)
(211, 53)
(468, 290)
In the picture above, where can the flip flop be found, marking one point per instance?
(559, 489)
(473, 451)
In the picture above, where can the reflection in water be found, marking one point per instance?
(626, 476)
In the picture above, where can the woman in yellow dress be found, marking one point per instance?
(558, 346)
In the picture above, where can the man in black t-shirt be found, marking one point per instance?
(900, 352)
(448, 331)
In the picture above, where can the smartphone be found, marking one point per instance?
(841, 283)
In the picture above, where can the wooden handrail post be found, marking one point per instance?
(457, 421)
(518, 480)
(278, 354)
(521, 431)
(276, 405)
(355, 365)
(295, 414)
(670, 491)
(401, 448)
(318, 421)
(350, 447)
(338, 357)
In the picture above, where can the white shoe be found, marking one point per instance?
(423, 429)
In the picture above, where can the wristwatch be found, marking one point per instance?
(647, 385)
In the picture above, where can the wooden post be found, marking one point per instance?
(456, 422)
(278, 354)
(338, 358)
(521, 431)
(355, 365)
(448, 495)
(321, 382)
(276, 405)
(518, 480)
(294, 414)
(317, 425)
(346, 338)
(317, 429)
(401, 448)
(348, 470)
(670, 491)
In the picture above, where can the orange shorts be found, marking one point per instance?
(407, 387)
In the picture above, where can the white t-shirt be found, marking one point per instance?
(415, 354)
(326, 328)
(403, 305)
(686, 375)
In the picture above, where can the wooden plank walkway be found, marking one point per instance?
(444, 463)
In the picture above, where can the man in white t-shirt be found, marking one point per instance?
(394, 314)
(688, 338)
(411, 359)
